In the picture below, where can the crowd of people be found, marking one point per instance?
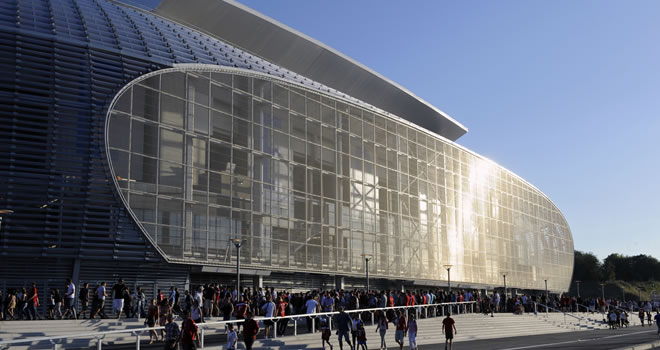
(212, 300)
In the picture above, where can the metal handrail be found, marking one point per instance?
(135, 331)
(579, 318)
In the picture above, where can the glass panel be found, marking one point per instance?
(145, 103)
(221, 125)
(221, 98)
(172, 111)
(198, 89)
(281, 119)
(170, 179)
(144, 207)
(281, 95)
(118, 131)
(262, 88)
(242, 135)
(201, 119)
(262, 113)
(171, 145)
(220, 157)
(242, 106)
(174, 83)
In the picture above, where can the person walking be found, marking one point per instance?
(361, 336)
(269, 311)
(172, 333)
(57, 299)
(139, 299)
(282, 307)
(250, 330)
(33, 302)
(69, 298)
(232, 337)
(311, 307)
(381, 327)
(412, 333)
(448, 329)
(100, 301)
(163, 310)
(189, 332)
(152, 317)
(657, 320)
(325, 332)
(118, 297)
(83, 296)
(401, 325)
(343, 321)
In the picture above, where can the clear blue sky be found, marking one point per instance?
(564, 93)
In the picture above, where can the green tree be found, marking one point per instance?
(587, 267)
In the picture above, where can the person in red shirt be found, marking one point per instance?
(401, 327)
(281, 308)
(250, 330)
(448, 329)
(189, 334)
(242, 309)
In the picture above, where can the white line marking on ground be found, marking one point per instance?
(576, 341)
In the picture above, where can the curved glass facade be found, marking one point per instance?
(312, 182)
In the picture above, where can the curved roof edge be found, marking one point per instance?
(273, 41)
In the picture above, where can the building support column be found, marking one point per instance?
(257, 282)
(339, 282)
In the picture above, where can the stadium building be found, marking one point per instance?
(137, 142)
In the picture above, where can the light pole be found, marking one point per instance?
(546, 288)
(640, 294)
(448, 268)
(602, 290)
(578, 287)
(367, 257)
(505, 294)
(238, 243)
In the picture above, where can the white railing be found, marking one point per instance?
(579, 318)
(56, 341)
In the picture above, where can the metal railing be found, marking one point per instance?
(579, 318)
(428, 309)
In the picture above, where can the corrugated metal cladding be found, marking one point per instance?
(62, 61)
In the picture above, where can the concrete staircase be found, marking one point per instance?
(469, 327)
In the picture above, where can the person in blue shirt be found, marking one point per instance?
(657, 320)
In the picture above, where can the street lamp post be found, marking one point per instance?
(602, 290)
(546, 288)
(238, 243)
(578, 287)
(505, 293)
(448, 268)
(367, 257)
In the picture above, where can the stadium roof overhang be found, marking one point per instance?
(264, 37)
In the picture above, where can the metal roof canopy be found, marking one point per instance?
(264, 37)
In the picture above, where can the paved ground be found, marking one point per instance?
(598, 339)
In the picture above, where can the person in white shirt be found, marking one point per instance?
(232, 337)
(311, 307)
(69, 299)
(269, 310)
